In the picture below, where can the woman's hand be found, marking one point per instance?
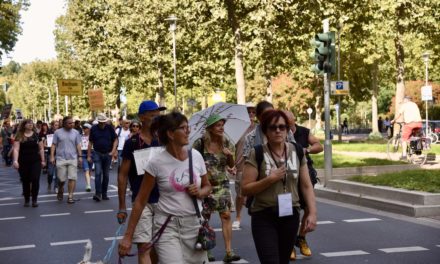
(227, 152)
(16, 165)
(277, 174)
(193, 190)
(43, 163)
(309, 222)
(124, 246)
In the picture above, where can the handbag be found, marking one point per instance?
(206, 236)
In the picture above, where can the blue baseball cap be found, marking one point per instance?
(149, 106)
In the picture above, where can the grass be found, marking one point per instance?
(342, 161)
(372, 147)
(415, 180)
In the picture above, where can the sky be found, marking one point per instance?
(37, 40)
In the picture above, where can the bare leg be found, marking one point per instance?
(227, 229)
(71, 187)
(239, 201)
(143, 257)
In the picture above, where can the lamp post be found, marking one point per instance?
(310, 111)
(172, 20)
(425, 57)
(49, 111)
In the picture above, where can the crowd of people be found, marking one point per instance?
(270, 164)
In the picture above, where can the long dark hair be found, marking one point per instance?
(19, 136)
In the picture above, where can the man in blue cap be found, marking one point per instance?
(148, 110)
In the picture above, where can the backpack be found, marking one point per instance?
(259, 156)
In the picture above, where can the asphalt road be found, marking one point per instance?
(56, 232)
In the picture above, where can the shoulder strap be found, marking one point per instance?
(201, 148)
(299, 151)
(120, 130)
(191, 181)
(259, 156)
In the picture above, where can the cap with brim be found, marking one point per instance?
(101, 118)
(250, 105)
(87, 125)
(149, 105)
(214, 118)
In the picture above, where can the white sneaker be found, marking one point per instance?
(236, 224)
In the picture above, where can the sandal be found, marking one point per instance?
(60, 194)
(70, 200)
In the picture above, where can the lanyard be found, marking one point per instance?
(276, 164)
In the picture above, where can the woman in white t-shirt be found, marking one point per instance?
(169, 168)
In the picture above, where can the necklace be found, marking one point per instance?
(280, 157)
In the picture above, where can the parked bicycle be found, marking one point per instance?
(416, 149)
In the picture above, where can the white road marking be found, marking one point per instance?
(111, 238)
(114, 187)
(8, 198)
(9, 204)
(221, 262)
(344, 253)
(220, 229)
(361, 220)
(48, 201)
(115, 195)
(61, 243)
(325, 222)
(402, 249)
(12, 218)
(49, 215)
(99, 211)
(16, 247)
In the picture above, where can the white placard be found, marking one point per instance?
(426, 93)
(143, 156)
(49, 140)
(84, 142)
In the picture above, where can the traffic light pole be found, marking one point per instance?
(327, 143)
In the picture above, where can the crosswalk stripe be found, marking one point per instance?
(61, 243)
(402, 249)
(9, 204)
(361, 220)
(345, 253)
(17, 247)
(221, 262)
(99, 211)
(49, 215)
(111, 238)
(12, 218)
(325, 222)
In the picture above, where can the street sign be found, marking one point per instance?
(426, 93)
(6, 111)
(69, 87)
(340, 88)
(96, 99)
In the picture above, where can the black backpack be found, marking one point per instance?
(259, 156)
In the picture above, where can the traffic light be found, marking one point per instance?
(324, 53)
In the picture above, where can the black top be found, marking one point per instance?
(29, 150)
(102, 139)
(132, 144)
(301, 136)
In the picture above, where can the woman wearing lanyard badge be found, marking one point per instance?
(275, 208)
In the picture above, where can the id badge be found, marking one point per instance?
(285, 207)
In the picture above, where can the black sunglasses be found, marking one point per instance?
(275, 127)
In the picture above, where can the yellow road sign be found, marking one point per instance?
(69, 87)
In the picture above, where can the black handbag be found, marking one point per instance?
(206, 235)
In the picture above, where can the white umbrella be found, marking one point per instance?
(237, 121)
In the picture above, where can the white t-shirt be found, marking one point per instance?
(172, 177)
(410, 112)
(122, 137)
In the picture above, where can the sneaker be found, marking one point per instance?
(211, 258)
(293, 254)
(97, 197)
(105, 198)
(231, 256)
(236, 224)
(88, 188)
(304, 247)
(26, 204)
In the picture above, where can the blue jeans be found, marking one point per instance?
(102, 167)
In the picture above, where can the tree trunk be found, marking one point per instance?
(375, 91)
(160, 91)
(400, 56)
(118, 85)
(239, 72)
(268, 79)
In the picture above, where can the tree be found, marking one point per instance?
(10, 23)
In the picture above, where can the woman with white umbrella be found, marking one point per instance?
(217, 150)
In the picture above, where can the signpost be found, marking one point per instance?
(340, 88)
(96, 100)
(426, 96)
(69, 87)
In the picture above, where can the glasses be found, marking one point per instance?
(184, 128)
(134, 125)
(280, 127)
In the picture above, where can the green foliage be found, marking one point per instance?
(375, 136)
(343, 161)
(10, 26)
(414, 180)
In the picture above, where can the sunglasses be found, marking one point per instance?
(134, 125)
(275, 127)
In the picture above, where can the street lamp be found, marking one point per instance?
(172, 20)
(310, 111)
(425, 57)
(49, 111)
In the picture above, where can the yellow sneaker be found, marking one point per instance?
(293, 254)
(303, 247)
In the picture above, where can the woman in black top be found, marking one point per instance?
(28, 159)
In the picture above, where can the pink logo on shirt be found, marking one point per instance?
(180, 180)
